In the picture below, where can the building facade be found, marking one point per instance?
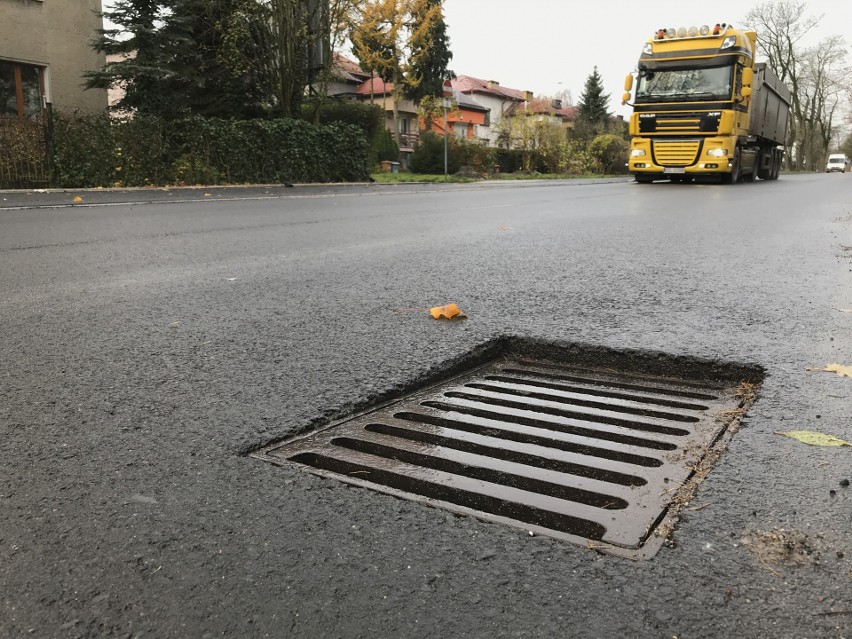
(45, 47)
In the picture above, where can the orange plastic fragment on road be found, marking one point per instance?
(78, 199)
(449, 311)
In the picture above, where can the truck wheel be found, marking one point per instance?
(734, 176)
(776, 165)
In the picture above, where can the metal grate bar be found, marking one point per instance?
(573, 453)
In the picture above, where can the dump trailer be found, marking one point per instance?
(703, 107)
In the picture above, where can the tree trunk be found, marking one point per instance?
(396, 94)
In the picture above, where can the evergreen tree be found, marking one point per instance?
(141, 72)
(592, 108)
(431, 51)
(222, 58)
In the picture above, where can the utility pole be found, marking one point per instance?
(445, 102)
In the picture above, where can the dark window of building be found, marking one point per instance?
(21, 90)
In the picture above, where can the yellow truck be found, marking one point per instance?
(702, 107)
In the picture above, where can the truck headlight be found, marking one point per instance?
(636, 153)
(717, 153)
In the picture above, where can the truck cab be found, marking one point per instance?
(703, 107)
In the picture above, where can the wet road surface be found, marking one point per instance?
(149, 347)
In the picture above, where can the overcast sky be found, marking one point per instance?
(546, 46)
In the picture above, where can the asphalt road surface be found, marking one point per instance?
(152, 339)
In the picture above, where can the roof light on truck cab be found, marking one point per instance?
(728, 42)
(648, 49)
(671, 32)
(704, 30)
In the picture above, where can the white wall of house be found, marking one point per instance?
(498, 106)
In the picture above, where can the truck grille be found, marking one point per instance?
(680, 123)
(676, 152)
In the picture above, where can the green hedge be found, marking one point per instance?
(145, 150)
(428, 156)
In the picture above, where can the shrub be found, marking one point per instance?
(84, 151)
(509, 160)
(474, 154)
(23, 153)
(609, 152)
(428, 155)
(148, 150)
(383, 147)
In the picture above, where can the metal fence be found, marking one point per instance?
(24, 153)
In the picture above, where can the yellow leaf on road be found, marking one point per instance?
(78, 199)
(449, 311)
(843, 371)
(815, 439)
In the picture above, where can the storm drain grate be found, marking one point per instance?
(573, 453)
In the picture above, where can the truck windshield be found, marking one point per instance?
(713, 83)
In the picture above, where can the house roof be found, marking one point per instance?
(348, 70)
(379, 87)
(466, 102)
(469, 84)
(545, 106)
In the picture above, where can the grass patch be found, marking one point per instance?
(402, 177)
(418, 177)
(549, 176)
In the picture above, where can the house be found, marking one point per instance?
(469, 119)
(548, 110)
(376, 91)
(500, 101)
(346, 77)
(45, 46)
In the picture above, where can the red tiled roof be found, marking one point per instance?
(469, 84)
(379, 87)
(545, 105)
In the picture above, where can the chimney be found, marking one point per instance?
(556, 103)
(492, 84)
(528, 96)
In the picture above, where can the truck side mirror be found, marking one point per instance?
(746, 92)
(628, 83)
(748, 76)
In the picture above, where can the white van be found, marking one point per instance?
(837, 162)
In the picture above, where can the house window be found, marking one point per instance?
(21, 90)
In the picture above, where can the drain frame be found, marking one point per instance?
(644, 375)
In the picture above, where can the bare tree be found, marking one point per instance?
(816, 76)
(824, 86)
(780, 27)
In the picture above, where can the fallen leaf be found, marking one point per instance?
(843, 371)
(206, 195)
(815, 439)
(449, 311)
(78, 199)
(842, 310)
(504, 228)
